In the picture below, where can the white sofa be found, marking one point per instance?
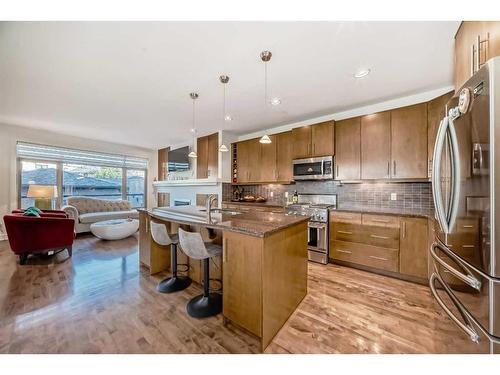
(87, 211)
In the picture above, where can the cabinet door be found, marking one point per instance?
(202, 159)
(436, 110)
(242, 280)
(242, 161)
(301, 142)
(268, 161)
(409, 142)
(413, 247)
(254, 159)
(284, 151)
(212, 155)
(375, 145)
(322, 139)
(348, 149)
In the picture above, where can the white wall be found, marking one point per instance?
(9, 135)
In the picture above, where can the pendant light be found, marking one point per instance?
(192, 154)
(224, 80)
(265, 56)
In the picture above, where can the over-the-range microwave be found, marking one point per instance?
(320, 168)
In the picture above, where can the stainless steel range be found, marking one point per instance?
(317, 207)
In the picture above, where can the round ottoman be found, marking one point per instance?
(114, 229)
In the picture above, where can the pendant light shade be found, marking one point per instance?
(193, 154)
(223, 148)
(265, 139)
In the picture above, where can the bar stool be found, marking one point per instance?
(206, 304)
(161, 237)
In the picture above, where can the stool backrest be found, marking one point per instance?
(160, 234)
(192, 245)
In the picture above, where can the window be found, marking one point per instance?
(81, 173)
(135, 187)
(37, 173)
(92, 181)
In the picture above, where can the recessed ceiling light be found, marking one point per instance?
(362, 73)
(228, 118)
(193, 130)
(275, 101)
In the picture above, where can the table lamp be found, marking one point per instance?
(43, 195)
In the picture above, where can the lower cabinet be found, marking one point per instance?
(380, 242)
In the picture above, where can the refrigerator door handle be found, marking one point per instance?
(467, 327)
(436, 174)
(455, 158)
(469, 279)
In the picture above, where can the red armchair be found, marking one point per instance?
(31, 235)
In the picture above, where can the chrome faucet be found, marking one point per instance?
(210, 200)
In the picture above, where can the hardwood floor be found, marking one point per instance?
(100, 301)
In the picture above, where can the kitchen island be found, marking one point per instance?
(264, 261)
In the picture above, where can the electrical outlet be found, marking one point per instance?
(394, 196)
(271, 194)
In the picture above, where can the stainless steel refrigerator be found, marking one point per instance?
(465, 255)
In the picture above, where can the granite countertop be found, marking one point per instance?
(257, 204)
(411, 212)
(257, 224)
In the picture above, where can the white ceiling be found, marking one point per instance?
(128, 82)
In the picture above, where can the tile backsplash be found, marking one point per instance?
(416, 195)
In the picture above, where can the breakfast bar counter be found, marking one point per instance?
(264, 261)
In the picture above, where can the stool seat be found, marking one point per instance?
(212, 249)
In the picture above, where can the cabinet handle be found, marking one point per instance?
(467, 246)
(478, 52)
(381, 237)
(344, 251)
(468, 226)
(394, 167)
(378, 258)
(472, 60)
(314, 148)
(337, 171)
(344, 232)
(404, 229)
(224, 251)
(388, 168)
(380, 221)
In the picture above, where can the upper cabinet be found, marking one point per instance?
(348, 149)
(409, 142)
(284, 156)
(207, 150)
(267, 165)
(314, 140)
(375, 150)
(436, 110)
(475, 43)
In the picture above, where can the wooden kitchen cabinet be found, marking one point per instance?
(409, 142)
(254, 160)
(466, 46)
(436, 110)
(413, 247)
(314, 140)
(322, 139)
(348, 149)
(207, 161)
(268, 170)
(375, 146)
(284, 156)
(302, 142)
(243, 160)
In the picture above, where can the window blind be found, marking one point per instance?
(73, 156)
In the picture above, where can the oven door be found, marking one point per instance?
(468, 297)
(317, 242)
(313, 169)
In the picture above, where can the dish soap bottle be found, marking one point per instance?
(295, 197)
